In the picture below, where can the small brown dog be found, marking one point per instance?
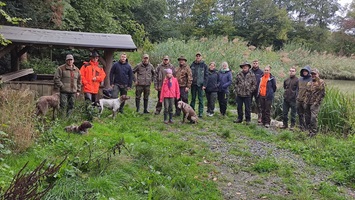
(189, 113)
(82, 129)
(46, 102)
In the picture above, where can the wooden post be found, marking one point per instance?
(15, 64)
(108, 57)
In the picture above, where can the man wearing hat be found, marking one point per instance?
(199, 81)
(160, 73)
(144, 77)
(184, 77)
(92, 75)
(67, 79)
(245, 85)
(314, 95)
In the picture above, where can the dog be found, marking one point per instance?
(82, 129)
(113, 104)
(46, 102)
(189, 113)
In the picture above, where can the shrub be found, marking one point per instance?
(16, 119)
(41, 66)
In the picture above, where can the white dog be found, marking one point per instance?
(113, 104)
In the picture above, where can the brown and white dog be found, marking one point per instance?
(82, 129)
(113, 104)
(46, 102)
(189, 113)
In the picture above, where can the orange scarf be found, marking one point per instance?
(263, 84)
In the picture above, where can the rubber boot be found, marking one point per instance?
(165, 118)
(145, 106)
(138, 101)
(171, 118)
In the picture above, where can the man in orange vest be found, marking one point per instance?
(91, 76)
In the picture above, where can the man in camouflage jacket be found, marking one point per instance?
(313, 98)
(183, 74)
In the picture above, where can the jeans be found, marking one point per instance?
(286, 107)
(211, 101)
(223, 100)
(246, 101)
(197, 90)
(265, 106)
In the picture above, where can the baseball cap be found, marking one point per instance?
(198, 53)
(69, 57)
(145, 56)
(166, 57)
(314, 71)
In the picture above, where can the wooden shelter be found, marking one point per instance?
(23, 38)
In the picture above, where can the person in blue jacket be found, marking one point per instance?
(225, 80)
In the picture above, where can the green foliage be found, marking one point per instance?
(337, 113)
(41, 66)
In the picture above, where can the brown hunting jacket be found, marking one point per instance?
(184, 76)
(315, 92)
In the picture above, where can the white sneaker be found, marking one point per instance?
(210, 114)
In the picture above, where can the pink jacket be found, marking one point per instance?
(172, 92)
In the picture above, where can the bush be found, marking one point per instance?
(16, 119)
(41, 66)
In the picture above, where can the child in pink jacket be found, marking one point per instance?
(169, 92)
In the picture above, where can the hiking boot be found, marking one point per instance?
(171, 121)
(146, 112)
(166, 122)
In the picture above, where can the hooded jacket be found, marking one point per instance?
(88, 71)
(212, 81)
(225, 80)
(270, 87)
(199, 73)
(302, 83)
(121, 74)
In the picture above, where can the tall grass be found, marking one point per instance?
(17, 117)
(337, 113)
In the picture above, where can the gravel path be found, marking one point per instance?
(237, 182)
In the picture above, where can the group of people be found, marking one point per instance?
(302, 95)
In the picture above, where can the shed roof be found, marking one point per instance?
(23, 35)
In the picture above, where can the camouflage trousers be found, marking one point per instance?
(311, 115)
(66, 101)
(145, 89)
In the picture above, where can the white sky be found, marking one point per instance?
(343, 2)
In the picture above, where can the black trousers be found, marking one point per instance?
(287, 105)
(222, 100)
(246, 101)
(265, 106)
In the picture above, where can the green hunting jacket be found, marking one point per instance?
(145, 74)
(67, 79)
